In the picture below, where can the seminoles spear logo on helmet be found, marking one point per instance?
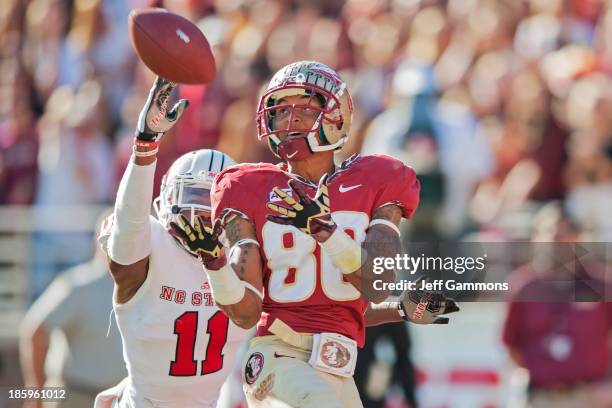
(332, 124)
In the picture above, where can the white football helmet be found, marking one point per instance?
(315, 80)
(186, 186)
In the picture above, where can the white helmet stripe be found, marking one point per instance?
(212, 160)
(217, 167)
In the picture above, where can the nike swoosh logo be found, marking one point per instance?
(349, 188)
(289, 156)
(276, 355)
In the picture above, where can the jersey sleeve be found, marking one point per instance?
(231, 194)
(107, 226)
(399, 186)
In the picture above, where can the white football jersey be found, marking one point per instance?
(178, 346)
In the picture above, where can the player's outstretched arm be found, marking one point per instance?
(129, 243)
(236, 280)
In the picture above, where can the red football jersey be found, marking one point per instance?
(302, 287)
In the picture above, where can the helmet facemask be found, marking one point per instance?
(187, 195)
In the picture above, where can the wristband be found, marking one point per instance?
(388, 223)
(226, 288)
(344, 252)
(145, 143)
(141, 136)
(220, 263)
(149, 153)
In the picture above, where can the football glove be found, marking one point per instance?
(201, 240)
(309, 215)
(424, 307)
(155, 119)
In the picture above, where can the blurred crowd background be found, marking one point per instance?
(496, 104)
(501, 106)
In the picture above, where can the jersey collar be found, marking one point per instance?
(284, 167)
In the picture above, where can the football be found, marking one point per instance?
(172, 46)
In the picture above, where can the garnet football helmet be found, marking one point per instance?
(186, 186)
(332, 123)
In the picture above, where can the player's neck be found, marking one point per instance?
(313, 167)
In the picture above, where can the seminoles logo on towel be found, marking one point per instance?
(335, 354)
(253, 367)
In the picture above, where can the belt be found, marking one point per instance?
(284, 332)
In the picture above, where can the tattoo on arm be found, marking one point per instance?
(389, 212)
(246, 263)
(240, 264)
(380, 241)
(232, 231)
(238, 228)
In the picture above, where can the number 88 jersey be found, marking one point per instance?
(302, 287)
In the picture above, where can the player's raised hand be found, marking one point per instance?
(156, 118)
(202, 241)
(310, 215)
(425, 307)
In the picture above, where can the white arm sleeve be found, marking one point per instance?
(130, 238)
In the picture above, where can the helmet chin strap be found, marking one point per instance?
(294, 149)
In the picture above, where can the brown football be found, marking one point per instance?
(172, 46)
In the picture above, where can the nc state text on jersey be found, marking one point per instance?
(180, 296)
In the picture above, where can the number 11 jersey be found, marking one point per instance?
(179, 347)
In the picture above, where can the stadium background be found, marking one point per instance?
(501, 106)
